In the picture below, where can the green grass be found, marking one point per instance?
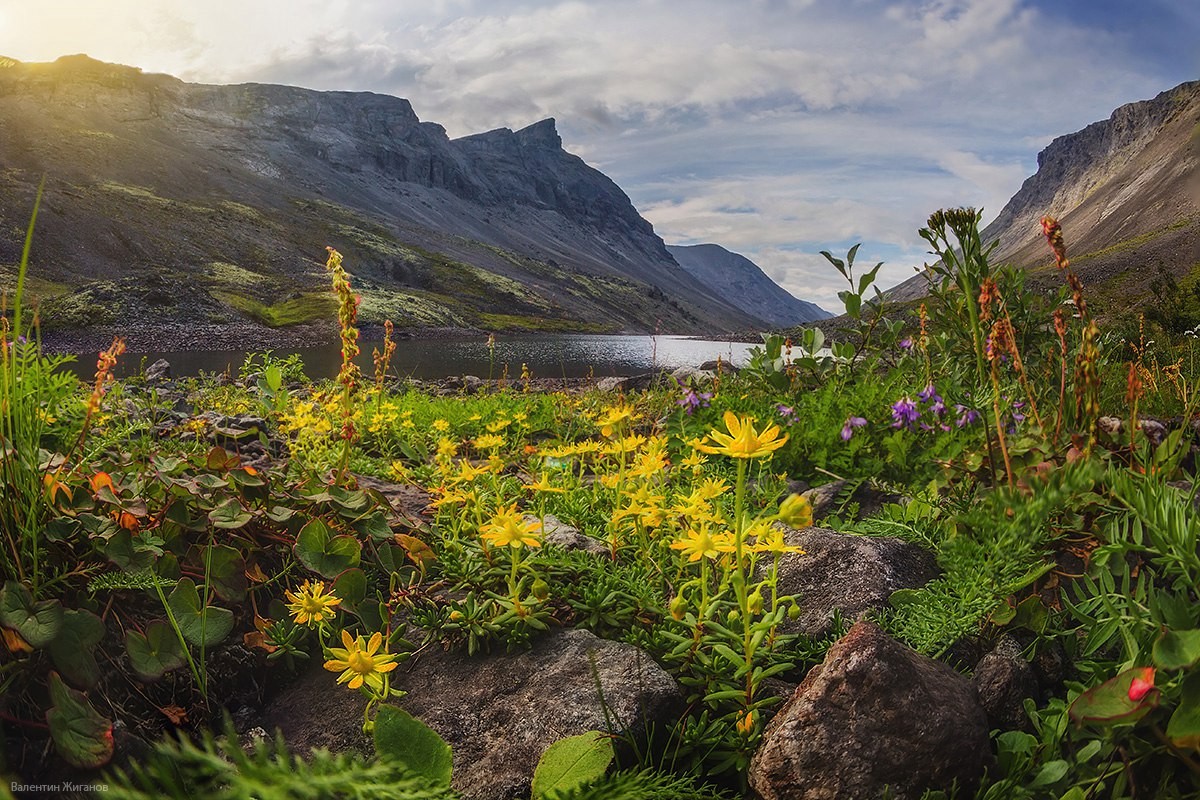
(295, 311)
(1135, 241)
(514, 322)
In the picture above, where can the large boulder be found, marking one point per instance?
(501, 712)
(846, 574)
(874, 717)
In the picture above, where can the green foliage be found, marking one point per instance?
(641, 785)
(219, 768)
(571, 763)
(404, 740)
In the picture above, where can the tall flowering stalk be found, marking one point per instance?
(382, 360)
(348, 375)
(105, 363)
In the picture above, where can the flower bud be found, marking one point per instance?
(678, 607)
(796, 511)
(755, 603)
(540, 589)
(794, 612)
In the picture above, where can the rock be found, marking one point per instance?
(825, 498)
(159, 371)
(847, 574)
(1155, 431)
(1110, 425)
(471, 384)
(873, 717)
(499, 713)
(697, 376)
(1003, 679)
(611, 384)
(409, 501)
(558, 533)
(720, 366)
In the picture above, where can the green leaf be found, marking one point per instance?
(1183, 729)
(402, 738)
(73, 650)
(229, 515)
(1051, 773)
(1109, 703)
(1177, 649)
(325, 553)
(154, 653)
(201, 625)
(83, 737)
(38, 623)
(226, 571)
(572, 762)
(351, 587)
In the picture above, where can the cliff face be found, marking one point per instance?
(230, 194)
(740, 280)
(1126, 190)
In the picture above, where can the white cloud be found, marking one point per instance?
(773, 127)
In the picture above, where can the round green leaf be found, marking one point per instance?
(1177, 649)
(229, 515)
(38, 623)
(201, 625)
(83, 737)
(572, 762)
(404, 739)
(154, 653)
(72, 650)
(322, 552)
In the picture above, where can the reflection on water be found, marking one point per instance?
(547, 355)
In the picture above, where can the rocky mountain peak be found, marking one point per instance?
(541, 134)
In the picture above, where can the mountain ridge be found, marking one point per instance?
(229, 194)
(742, 281)
(1126, 191)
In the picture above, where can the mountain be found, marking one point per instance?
(186, 204)
(744, 284)
(1127, 192)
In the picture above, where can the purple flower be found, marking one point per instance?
(906, 343)
(851, 424)
(966, 416)
(787, 413)
(904, 413)
(692, 400)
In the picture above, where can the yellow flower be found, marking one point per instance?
(543, 485)
(441, 425)
(466, 473)
(743, 441)
(311, 605)
(498, 425)
(613, 418)
(446, 448)
(796, 511)
(695, 462)
(509, 528)
(360, 661)
(489, 442)
(697, 543)
(772, 541)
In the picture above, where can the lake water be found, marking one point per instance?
(547, 355)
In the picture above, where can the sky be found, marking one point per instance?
(776, 128)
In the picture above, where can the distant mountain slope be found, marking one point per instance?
(191, 203)
(743, 283)
(1127, 191)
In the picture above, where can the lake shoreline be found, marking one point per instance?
(244, 335)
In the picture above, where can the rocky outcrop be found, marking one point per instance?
(873, 718)
(840, 575)
(230, 194)
(498, 713)
(1126, 190)
(745, 284)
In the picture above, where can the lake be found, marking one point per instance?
(547, 355)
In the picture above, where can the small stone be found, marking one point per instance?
(1004, 679)
(557, 533)
(159, 371)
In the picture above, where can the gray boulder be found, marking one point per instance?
(499, 713)
(558, 533)
(874, 717)
(159, 371)
(846, 574)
